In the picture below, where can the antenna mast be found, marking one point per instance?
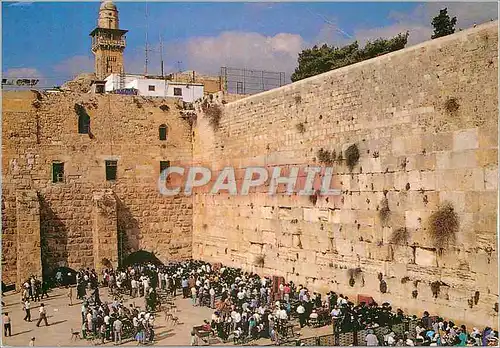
(146, 46)
(161, 55)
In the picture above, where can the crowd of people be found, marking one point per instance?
(115, 321)
(246, 307)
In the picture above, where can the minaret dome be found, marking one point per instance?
(108, 15)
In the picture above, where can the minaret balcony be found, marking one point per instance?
(104, 43)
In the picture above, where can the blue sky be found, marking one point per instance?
(50, 39)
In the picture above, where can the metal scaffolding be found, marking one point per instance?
(247, 81)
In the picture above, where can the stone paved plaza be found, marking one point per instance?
(62, 318)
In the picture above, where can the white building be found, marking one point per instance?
(155, 87)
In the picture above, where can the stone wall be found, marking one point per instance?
(425, 122)
(41, 128)
(105, 230)
(28, 261)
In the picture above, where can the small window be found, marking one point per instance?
(163, 132)
(57, 172)
(164, 165)
(111, 170)
(84, 124)
(151, 88)
(177, 91)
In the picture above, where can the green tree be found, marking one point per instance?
(317, 60)
(443, 24)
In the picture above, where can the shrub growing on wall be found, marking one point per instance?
(259, 261)
(352, 156)
(400, 236)
(325, 156)
(213, 112)
(443, 226)
(384, 211)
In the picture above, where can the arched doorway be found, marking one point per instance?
(141, 257)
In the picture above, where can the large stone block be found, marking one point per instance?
(465, 139)
(425, 257)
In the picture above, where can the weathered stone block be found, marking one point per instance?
(425, 257)
(465, 139)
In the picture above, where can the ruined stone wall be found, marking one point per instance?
(39, 130)
(425, 122)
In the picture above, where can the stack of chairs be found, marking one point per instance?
(327, 340)
(310, 341)
(346, 339)
(361, 337)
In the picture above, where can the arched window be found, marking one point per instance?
(84, 124)
(163, 132)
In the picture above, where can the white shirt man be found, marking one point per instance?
(313, 315)
(335, 313)
(42, 310)
(160, 280)
(237, 318)
(301, 309)
(339, 301)
(282, 314)
(241, 295)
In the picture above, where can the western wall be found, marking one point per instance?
(425, 121)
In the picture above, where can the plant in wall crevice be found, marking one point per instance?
(384, 211)
(443, 225)
(352, 156)
(400, 236)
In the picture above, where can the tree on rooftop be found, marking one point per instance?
(443, 24)
(317, 60)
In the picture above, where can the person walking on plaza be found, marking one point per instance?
(7, 325)
(70, 295)
(117, 329)
(43, 315)
(45, 289)
(32, 342)
(27, 309)
(185, 285)
(301, 311)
